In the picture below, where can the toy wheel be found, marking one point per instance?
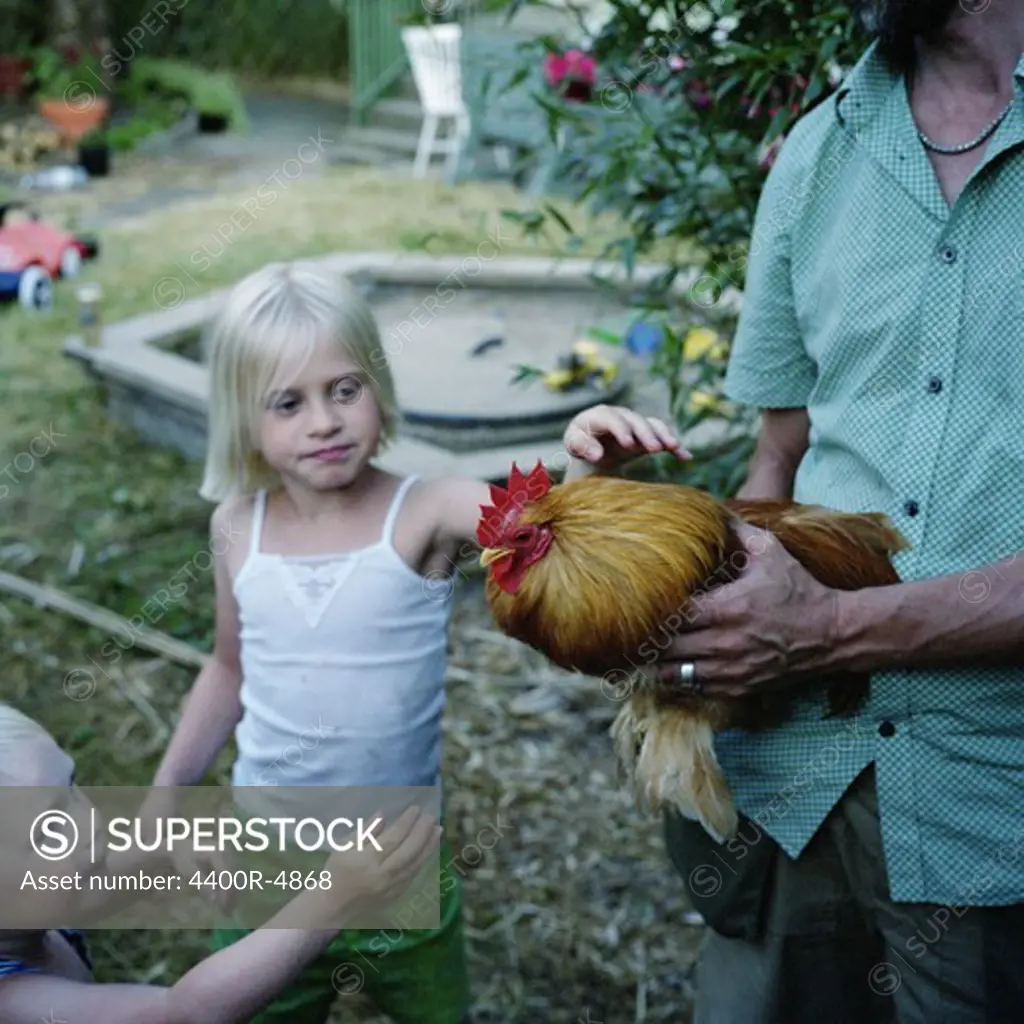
(89, 247)
(70, 262)
(34, 291)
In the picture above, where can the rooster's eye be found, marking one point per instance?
(523, 535)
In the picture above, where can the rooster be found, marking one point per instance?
(585, 571)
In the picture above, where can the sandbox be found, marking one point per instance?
(461, 413)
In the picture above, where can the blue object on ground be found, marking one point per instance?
(643, 338)
(9, 280)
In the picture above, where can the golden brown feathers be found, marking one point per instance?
(625, 556)
(845, 550)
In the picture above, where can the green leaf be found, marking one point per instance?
(782, 115)
(563, 223)
(526, 374)
(608, 337)
(728, 85)
(814, 90)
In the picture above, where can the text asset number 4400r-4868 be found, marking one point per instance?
(294, 880)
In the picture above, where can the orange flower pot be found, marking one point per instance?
(75, 116)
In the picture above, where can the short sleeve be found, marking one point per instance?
(768, 364)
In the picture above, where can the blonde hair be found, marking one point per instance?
(15, 728)
(266, 316)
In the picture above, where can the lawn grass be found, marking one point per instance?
(98, 513)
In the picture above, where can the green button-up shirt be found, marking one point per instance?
(898, 322)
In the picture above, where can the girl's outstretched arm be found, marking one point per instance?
(458, 513)
(599, 439)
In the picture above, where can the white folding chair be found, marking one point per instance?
(434, 57)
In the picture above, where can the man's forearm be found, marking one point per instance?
(974, 618)
(781, 445)
(768, 478)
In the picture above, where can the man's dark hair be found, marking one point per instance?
(898, 24)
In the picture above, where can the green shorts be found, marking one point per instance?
(414, 976)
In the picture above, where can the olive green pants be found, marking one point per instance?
(415, 976)
(818, 940)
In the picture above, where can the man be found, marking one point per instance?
(879, 874)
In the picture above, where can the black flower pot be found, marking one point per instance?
(95, 158)
(212, 123)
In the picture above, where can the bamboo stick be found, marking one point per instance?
(44, 595)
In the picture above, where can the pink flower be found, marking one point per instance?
(573, 64)
(555, 68)
(677, 63)
(582, 66)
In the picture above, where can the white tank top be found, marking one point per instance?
(343, 665)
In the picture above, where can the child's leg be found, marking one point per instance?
(416, 976)
(308, 999)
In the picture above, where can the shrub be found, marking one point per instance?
(692, 102)
(208, 92)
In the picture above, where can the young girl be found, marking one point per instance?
(329, 654)
(47, 975)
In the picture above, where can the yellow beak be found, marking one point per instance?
(489, 555)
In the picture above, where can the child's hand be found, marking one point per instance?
(370, 880)
(164, 803)
(609, 435)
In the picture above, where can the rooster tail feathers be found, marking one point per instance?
(874, 530)
(670, 754)
(881, 529)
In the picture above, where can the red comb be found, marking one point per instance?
(508, 503)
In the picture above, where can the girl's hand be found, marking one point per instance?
(164, 803)
(606, 436)
(371, 880)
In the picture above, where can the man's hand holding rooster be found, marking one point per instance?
(768, 623)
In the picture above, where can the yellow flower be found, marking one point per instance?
(704, 400)
(702, 341)
(558, 380)
(586, 349)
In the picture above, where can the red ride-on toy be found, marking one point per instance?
(33, 252)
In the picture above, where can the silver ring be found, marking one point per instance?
(688, 676)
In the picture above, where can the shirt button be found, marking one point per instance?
(886, 729)
(948, 254)
(934, 385)
(911, 507)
